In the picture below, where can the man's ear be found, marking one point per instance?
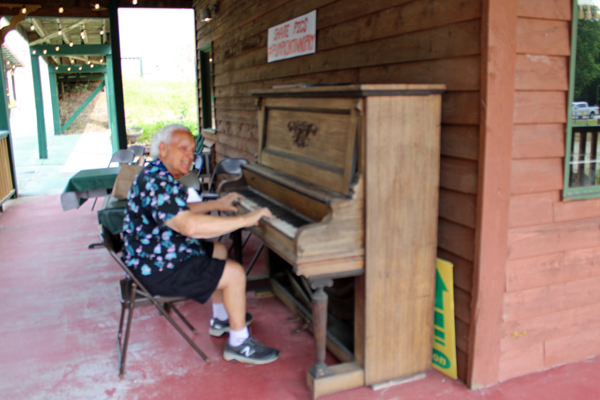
(162, 148)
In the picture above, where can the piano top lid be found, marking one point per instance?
(351, 90)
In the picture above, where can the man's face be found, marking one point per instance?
(178, 155)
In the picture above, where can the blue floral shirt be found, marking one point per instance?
(149, 245)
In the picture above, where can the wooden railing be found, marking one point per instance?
(6, 182)
(585, 152)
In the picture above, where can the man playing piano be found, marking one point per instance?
(165, 244)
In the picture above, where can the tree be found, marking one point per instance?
(587, 70)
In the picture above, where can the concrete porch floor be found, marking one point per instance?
(60, 313)
(59, 324)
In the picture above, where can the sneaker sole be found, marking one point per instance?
(220, 332)
(239, 358)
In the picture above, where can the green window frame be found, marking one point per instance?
(207, 101)
(582, 150)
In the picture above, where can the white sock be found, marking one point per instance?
(219, 311)
(237, 337)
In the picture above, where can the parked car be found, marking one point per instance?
(581, 109)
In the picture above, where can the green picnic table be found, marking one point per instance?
(86, 184)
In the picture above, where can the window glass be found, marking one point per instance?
(209, 123)
(582, 161)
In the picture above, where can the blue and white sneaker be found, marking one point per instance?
(218, 328)
(251, 351)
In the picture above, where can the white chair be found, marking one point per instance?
(138, 151)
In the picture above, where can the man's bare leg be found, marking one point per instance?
(231, 289)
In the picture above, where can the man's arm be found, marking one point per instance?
(202, 226)
(224, 203)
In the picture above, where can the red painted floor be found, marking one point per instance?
(59, 322)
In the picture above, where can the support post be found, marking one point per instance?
(39, 106)
(55, 106)
(113, 64)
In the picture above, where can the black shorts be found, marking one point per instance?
(195, 278)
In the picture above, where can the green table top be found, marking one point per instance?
(92, 179)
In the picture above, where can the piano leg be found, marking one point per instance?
(319, 311)
(236, 237)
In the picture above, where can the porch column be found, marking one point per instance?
(39, 105)
(498, 55)
(55, 107)
(115, 80)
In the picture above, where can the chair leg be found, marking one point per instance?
(181, 317)
(123, 354)
(181, 332)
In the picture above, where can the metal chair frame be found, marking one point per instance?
(134, 295)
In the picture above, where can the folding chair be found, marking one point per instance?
(134, 295)
(138, 151)
(123, 156)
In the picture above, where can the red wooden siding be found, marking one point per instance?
(552, 304)
(401, 41)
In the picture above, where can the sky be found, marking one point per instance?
(159, 36)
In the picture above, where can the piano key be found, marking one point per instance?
(283, 220)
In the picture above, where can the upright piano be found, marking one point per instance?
(351, 173)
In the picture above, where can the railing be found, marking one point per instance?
(6, 183)
(584, 166)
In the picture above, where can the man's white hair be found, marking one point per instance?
(164, 135)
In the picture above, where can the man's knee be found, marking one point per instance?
(233, 275)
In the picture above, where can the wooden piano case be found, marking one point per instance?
(373, 153)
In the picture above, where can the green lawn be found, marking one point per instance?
(152, 104)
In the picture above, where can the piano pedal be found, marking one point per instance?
(305, 325)
(301, 328)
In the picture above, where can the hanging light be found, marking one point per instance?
(32, 27)
(57, 48)
(97, 6)
(24, 9)
(72, 61)
(56, 68)
(45, 51)
(101, 59)
(82, 34)
(59, 30)
(33, 52)
(69, 68)
(101, 31)
(7, 62)
(91, 65)
(71, 44)
(134, 2)
(89, 62)
(80, 68)
(61, 9)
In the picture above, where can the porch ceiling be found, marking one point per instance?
(43, 22)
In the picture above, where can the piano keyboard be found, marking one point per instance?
(283, 220)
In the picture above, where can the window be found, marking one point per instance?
(209, 123)
(582, 159)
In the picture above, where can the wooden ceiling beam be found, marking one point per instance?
(65, 30)
(39, 28)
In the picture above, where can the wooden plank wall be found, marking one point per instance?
(386, 41)
(552, 301)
